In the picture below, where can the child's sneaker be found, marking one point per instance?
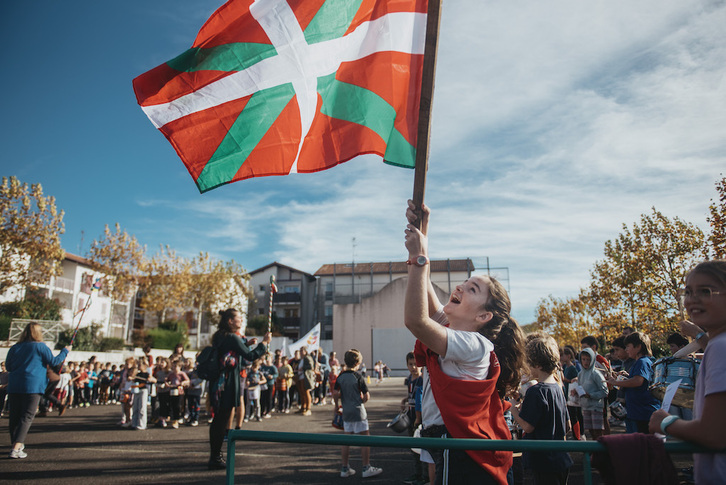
(346, 472)
(371, 471)
(194, 423)
(175, 424)
(15, 454)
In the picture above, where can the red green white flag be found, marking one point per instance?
(272, 87)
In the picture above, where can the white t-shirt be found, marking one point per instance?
(710, 467)
(467, 358)
(65, 380)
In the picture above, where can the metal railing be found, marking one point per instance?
(51, 329)
(585, 447)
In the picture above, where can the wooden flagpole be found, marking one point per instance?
(426, 102)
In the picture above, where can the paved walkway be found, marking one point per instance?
(86, 446)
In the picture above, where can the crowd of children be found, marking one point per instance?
(564, 392)
(166, 391)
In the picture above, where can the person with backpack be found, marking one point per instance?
(224, 390)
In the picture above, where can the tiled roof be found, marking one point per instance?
(289, 268)
(78, 259)
(437, 266)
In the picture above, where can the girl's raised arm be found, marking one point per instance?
(417, 304)
(411, 215)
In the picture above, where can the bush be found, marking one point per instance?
(111, 343)
(5, 326)
(174, 326)
(257, 325)
(35, 306)
(165, 339)
(87, 338)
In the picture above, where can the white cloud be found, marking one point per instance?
(554, 124)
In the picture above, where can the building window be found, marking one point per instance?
(260, 311)
(291, 313)
(292, 289)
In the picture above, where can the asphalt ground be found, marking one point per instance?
(86, 446)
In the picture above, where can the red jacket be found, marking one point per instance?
(471, 409)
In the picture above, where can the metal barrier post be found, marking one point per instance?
(587, 468)
(231, 449)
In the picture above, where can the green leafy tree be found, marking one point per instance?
(30, 230)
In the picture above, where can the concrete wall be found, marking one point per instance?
(375, 326)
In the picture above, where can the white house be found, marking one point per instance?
(74, 291)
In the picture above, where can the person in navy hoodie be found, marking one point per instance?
(27, 362)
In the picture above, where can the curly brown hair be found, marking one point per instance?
(506, 335)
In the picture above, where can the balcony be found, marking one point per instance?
(289, 322)
(286, 298)
(63, 284)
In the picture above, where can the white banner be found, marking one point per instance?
(311, 340)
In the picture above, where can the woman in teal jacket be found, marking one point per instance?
(224, 392)
(27, 362)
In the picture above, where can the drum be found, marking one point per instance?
(617, 410)
(670, 369)
(400, 423)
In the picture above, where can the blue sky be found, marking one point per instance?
(554, 123)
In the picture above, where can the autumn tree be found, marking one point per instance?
(568, 320)
(717, 221)
(30, 230)
(638, 280)
(120, 256)
(215, 285)
(166, 282)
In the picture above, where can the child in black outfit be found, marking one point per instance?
(543, 414)
(414, 383)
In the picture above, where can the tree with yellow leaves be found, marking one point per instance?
(215, 285)
(717, 220)
(166, 283)
(30, 230)
(120, 256)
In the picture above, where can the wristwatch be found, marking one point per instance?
(419, 261)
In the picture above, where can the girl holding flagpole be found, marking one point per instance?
(472, 352)
(224, 392)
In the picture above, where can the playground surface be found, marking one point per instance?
(87, 446)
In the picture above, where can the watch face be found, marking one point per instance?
(421, 261)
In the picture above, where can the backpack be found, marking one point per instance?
(208, 367)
